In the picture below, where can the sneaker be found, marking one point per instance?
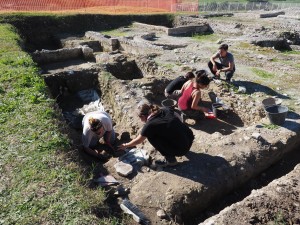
(170, 161)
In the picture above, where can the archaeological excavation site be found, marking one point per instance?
(243, 168)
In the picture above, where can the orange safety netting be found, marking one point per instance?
(61, 5)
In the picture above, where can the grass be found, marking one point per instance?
(270, 126)
(292, 52)
(206, 37)
(115, 33)
(40, 182)
(262, 73)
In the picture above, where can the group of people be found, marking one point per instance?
(187, 89)
(163, 128)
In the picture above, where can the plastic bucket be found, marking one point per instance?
(170, 103)
(277, 114)
(216, 109)
(268, 102)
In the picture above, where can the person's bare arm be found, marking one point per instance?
(196, 98)
(107, 139)
(229, 68)
(184, 86)
(213, 58)
(138, 140)
(92, 152)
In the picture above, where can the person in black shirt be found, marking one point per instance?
(173, 89)
(166, 133)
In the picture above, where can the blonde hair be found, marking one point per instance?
(95, 124)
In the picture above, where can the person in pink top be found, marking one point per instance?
(191, 96)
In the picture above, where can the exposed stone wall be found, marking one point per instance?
(72, 81)
(107, 43)
(188, 30)
(271, 14)
(47, 56)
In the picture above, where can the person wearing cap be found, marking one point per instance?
(191, 96)
(173, 89)
(165, 132)
(225, 64)
(95, 126)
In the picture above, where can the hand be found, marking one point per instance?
(205, 110)
(122, 147)
(218, 72)
(109, 145)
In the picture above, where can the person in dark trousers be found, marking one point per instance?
(166, 133)
(173, 89)
(226, 63)
(191, 96)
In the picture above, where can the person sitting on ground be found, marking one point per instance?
(165, 132)
(96, 125)
(191, 96)
(226, 63)
(173, 89)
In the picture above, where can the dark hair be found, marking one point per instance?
(223, 46)
(145, 109)
(202, 77)
(189, 75)
(95, 124)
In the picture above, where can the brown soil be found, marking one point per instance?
(223, 148)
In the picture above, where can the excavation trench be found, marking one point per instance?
(207, 173)
(120, 74)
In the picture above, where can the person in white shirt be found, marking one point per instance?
(95, 126)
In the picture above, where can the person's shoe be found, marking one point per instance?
(169, 161)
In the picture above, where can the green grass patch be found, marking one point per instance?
(40, 182)
(270, 126)
(292, 52)
(206, 37)
(262, 73)
(115, 33)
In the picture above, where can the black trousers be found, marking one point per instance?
(228, 74)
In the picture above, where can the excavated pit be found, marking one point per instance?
(121, 72)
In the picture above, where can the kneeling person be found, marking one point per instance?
(95, 126)
(173, 89)
(165, 132)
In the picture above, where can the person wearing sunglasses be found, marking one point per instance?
(95, 126)
(165, 132)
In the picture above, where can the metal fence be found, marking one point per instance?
(232, 6)
(235, 6)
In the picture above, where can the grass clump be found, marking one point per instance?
(270, 126)
(205, 37)
(292, 52)
(262, 73)
(115, 33)
(40, 183)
